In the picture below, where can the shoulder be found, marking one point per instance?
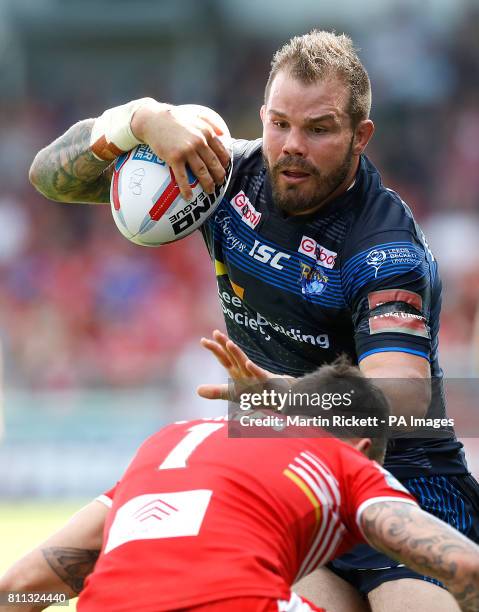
(247, 156)
(380, 208)
(341, 456)
(382, 220)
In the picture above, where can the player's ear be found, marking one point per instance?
(363, 445)
(362, 135)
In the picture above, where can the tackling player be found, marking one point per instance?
(314, 257)
(203, 521)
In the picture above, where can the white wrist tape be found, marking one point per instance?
(111, 134)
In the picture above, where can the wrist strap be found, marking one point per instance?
(111, 135)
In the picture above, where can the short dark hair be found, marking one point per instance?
(367, 400)
(319, 55)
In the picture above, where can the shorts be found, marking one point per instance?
(453, 499)
(258, 604)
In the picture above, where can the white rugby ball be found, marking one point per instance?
(145, 199)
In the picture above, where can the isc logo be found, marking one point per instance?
(268, 255)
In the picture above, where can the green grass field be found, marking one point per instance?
(23, 525)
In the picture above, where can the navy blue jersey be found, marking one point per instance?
(355, 277)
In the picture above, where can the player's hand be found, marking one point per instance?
(240, 368)
(181, 137)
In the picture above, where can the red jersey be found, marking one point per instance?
(201, 517)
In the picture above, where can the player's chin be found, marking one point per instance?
(294, 201)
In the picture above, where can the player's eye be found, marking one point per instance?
(279, 123)
(318, 129)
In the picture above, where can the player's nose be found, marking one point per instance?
(294, 143)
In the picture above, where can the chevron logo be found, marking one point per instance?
(154, 510)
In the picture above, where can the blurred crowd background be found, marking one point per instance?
(100, 337)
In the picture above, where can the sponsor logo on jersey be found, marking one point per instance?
(159, 515)
(376, 259)
(323, 256)
(393, 255)
(313, 280)
(245, 209)
(399, 322)
(268, 255)
(398, 319)
(234, 310)
(230, 240)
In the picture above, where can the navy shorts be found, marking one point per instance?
(453, 499)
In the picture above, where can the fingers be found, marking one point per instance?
(201, 171)
(217, 146)
(184, 140)
(207, 156)
(244, 367)
(213, 392)
(216, 128)
(238, 357)
(181, 177)
(218, 351)
(213, 164)
(254, 370)
(204, 164)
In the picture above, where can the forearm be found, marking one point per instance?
(403, 378)
(67, 171)
(407, 397)
(426, 545)
(63, 561)
(47, 570)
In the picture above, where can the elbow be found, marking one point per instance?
(39, 178)
(14, 579)
(34, 174)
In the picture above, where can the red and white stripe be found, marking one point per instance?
(324, 486)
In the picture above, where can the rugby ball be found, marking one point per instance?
(145, 199)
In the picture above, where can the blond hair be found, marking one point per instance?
(319, 55)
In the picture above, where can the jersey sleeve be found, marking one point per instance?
(388, 280)
(367, 483)
(107, 497)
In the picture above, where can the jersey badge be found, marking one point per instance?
(313, 280)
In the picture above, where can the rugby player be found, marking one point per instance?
(205, 521)
(314, 257)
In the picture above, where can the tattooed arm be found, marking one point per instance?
(62, 562)
(427, 545)
(67, 171)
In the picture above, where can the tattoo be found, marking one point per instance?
(427, 545)
(67, 171)
(72, 565)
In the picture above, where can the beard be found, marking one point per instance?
(296, 199)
